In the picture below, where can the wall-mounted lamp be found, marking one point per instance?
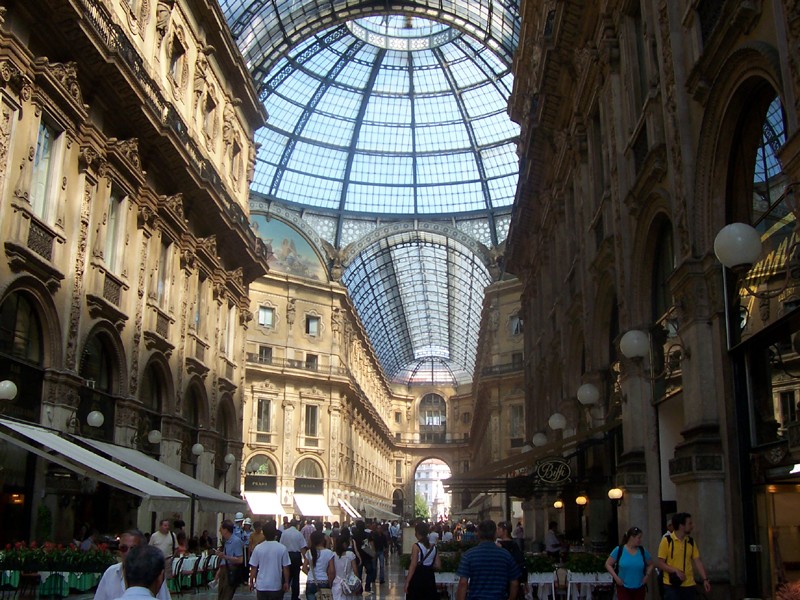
(8, 390)
(197, 449)
(229, 459)
(588, 394)
(635, 345)
(582, 500)
(95, 419)
(557, 421)
(615, 495)
(539, 439)
(558, 504)
(154, 436)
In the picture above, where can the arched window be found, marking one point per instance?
(96, 365)
(432, 418)
(192, 410)
(663, 266)
(308, 469)
(261, 465)
(20, 329)
(153, 390)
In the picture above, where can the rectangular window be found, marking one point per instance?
(311, 431)
(516, 325)
(466, 418)
(788, 408)
(312, 326)
(398, 469)
(516, 360)
(43, 170)
(176, 60)
(266, 316)
(200, 306)
(229, 334)
(398, 416)
(265, 355)
(264, 421)
(516, 425)
(114, 230)
(641, 59)
(312, 362)
(163, 271)
(264, 415)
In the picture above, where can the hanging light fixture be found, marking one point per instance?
(582, 500)
(558, 504)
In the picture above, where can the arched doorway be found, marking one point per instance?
(397, 502)
(98, 370)
(431, 502)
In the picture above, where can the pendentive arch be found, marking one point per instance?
(750, 73)
(42, 301)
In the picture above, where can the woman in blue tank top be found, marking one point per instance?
(630, 565)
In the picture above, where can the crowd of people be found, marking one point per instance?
(344, 562)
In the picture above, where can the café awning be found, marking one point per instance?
(348, 508)
(312, 505)
(377, 511)
(264, 503)
(210, 499)
(506, 468)
(49, 445)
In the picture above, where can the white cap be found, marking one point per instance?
(248, 521)
(239, 516)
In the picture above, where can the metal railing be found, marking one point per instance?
(504, 368)
(292, 363)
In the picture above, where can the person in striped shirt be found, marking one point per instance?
(487, 572)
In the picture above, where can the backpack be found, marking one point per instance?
(689, 541)
(619, 557)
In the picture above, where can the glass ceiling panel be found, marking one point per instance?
(348, 107)
(265, 31)
(419, 296)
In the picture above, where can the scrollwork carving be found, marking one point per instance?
(130, 150)
(163, 16)
(67, 75)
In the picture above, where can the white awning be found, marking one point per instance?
(85, 462)
(312, 505)
(348, 508)
(264, 503)
(377, 511)
(210, 499)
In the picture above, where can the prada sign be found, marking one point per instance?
(260, 483)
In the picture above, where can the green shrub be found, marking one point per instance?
(584, 562)
(539, 563)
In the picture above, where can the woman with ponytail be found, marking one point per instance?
(421, 581)
(630, 565)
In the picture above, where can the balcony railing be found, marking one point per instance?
(292, 363)
(416, 438)
(504, 368)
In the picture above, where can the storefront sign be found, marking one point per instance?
(553, 471)
(260, 483)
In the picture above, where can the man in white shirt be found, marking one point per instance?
(112, 583)
(269, 566)
(164, 540)
(144, 573)
(295, 544)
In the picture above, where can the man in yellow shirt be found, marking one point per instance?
(678, 557)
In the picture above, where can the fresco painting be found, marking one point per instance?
(289, 252)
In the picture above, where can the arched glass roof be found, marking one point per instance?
(265, 31)
(419, 296)
(356, 127)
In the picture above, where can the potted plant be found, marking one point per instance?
(585, 567)
(541, 571)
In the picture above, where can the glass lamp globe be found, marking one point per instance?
(737, 245)
(634, 344)
(95, 419)
(154, 437)
(558, 504)
(557, 421)
(8, 390)
(197, 449)
(614, 493)
(539, 439)
(582, 500)
(230, 459)
(588, 394)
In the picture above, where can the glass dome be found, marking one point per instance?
(357, 126)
